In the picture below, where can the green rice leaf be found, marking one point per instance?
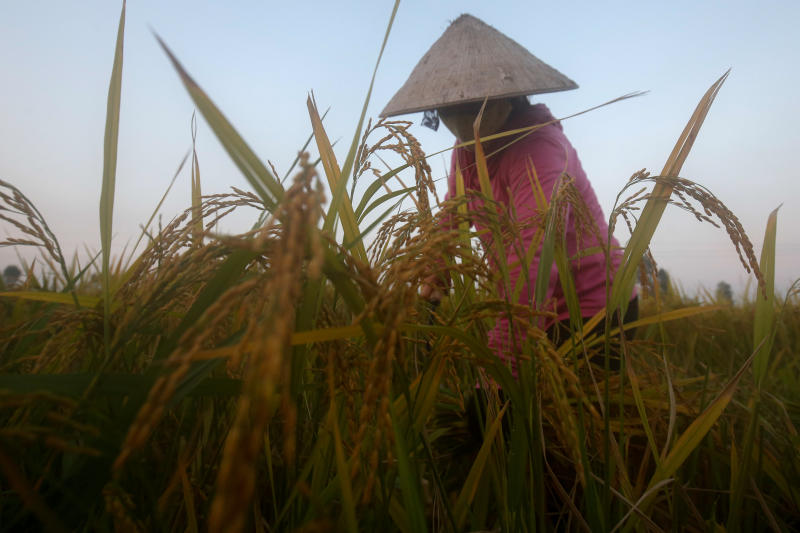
(373, 225)
(538, 236)
(763, 328)
(409, 479)
(383, 199)
(423, 392)
(668, 316)
(567, 282)
(197, 193)
(197, 375)
(347, 167)
(110, 176)
(637, 398)
(399, 515)
(427, 392)
(266, 186)
(302, 150)
(160, 203)
(340, 203)
(693, 436)
(654, 209)
(546, 259)
(374, 187)
(518, 459)
(495, 367)
(480, 160)
(482, 169)
(343, 472)
(463, 503)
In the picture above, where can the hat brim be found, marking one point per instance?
(470, 62)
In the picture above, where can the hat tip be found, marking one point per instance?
(466, 17)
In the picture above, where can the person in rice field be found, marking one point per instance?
(473, 63)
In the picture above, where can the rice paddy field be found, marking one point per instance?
(291, 378)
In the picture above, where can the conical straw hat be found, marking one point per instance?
(469, 62)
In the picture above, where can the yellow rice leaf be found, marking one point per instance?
(197, 225)
(52, 297)
(676, 314)
(326, 334)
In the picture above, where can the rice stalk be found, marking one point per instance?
(17, 210)
(268, 364)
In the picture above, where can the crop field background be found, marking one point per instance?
(290, 378)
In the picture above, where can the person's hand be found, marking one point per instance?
(431, 289)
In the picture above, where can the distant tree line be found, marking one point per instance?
(724, 292)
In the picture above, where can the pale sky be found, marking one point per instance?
(259, 60)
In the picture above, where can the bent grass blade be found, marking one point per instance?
(260, 178)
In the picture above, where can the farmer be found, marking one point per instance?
(469, 63)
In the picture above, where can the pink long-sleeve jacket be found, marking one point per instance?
(552, 155)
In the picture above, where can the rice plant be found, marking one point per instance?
(291, 378)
